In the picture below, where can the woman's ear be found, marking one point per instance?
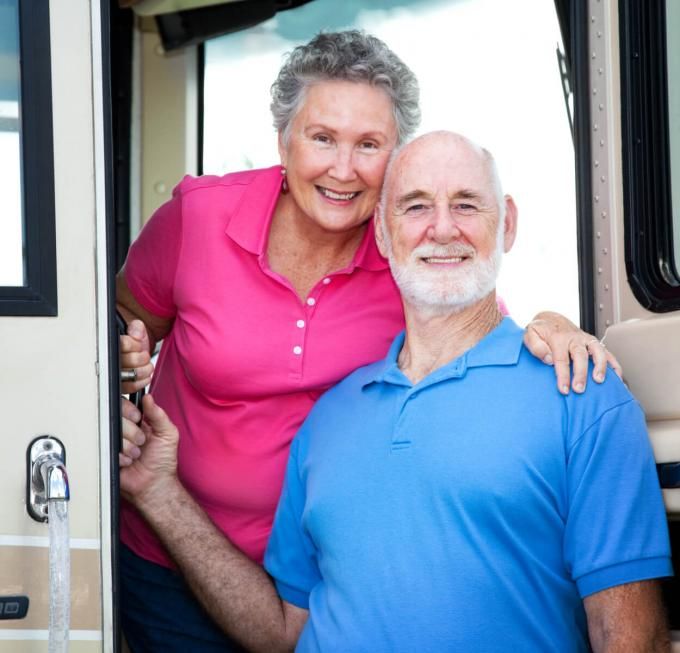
(283, 152)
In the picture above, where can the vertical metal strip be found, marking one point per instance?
(600, 116)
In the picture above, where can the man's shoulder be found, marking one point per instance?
(581, 410)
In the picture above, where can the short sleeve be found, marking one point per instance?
(152, 260)
(616, 528)
(290, 557)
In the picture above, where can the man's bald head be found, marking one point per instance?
(445, 139)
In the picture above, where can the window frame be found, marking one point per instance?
(38, 296)
(648, 217)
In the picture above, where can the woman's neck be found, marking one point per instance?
(302, 251)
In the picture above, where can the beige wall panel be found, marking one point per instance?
(12, 646)
(24, 570)
(51, 385)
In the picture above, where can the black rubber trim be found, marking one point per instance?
(113, 353)
(669, 475)
(650, 265)
(578, 58)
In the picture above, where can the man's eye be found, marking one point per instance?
(465, 208)
(416, 208)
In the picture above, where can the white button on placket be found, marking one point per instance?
(326, 281)
(297, 350)
(311, 301)
(300, 324)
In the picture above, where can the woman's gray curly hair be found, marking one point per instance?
(350, 55)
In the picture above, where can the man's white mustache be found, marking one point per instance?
(442, 251)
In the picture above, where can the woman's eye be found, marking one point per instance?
(321, 138)
(368, 145)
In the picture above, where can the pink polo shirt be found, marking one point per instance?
(246, 358)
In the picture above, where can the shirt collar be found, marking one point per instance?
(500, 347)
(260, 197)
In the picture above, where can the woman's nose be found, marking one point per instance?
(342, 167)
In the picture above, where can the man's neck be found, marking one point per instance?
(433, 340)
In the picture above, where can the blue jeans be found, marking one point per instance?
(160, 614)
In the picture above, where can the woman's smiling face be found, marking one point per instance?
(336, 153)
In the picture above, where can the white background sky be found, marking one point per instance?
(487, 68)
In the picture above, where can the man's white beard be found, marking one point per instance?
(441, 289)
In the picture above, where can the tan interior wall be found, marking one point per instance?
(168, 120)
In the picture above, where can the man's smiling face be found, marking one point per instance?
(443, 232)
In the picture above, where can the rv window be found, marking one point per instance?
(650, 111)
(27, 244)
(673, 58)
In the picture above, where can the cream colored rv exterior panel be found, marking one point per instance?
(51, 383)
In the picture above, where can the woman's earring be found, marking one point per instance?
(284, 185)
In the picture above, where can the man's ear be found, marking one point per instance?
(510, 229)
(379, 233)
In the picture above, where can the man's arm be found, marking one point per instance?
(237, 593)
(628, 618)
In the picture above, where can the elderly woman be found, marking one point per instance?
(267, 288)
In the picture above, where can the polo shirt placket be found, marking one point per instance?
(408, 423)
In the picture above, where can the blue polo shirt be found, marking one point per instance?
(470, 512)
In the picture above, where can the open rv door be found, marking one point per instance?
(625, 73)
(55, 295)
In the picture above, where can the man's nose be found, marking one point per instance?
(342, 167)
(443, 228)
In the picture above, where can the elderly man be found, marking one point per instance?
(441, 499)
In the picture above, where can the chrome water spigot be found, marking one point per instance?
(46, 476)
(55, 479)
